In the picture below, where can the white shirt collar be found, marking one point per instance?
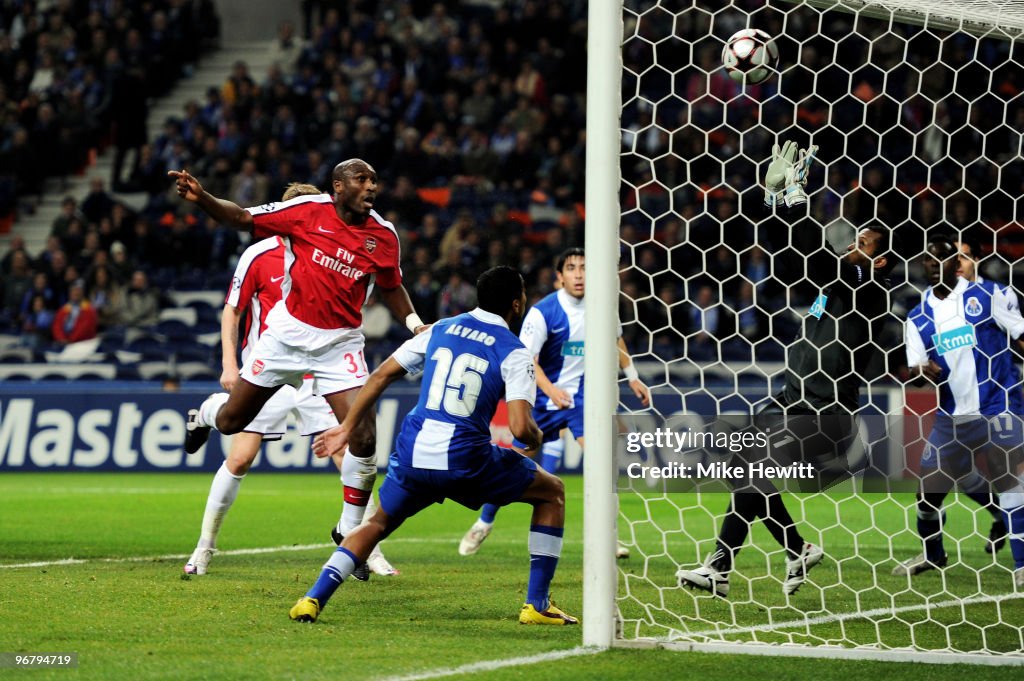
(568, 299)
(961, 286)
(488, 317)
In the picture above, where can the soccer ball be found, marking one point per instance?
(750, 56)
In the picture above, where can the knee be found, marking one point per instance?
(228, 424)
(238, 465)
(557, 490)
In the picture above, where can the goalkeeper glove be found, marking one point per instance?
(775, 180)
(796, 178)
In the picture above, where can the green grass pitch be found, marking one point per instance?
(129, 613)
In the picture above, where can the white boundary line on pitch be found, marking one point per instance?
(249, 552)
(491, 665)
(842, 617)
(174, 556)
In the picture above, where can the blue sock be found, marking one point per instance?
(929, 528)
(488, 512)
(1014, 518)
(336, 570)
(551, 455)
(545, 548)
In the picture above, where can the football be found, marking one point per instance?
(750, 56)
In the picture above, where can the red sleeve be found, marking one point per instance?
(58, 324)
(85, 327)
(244, 286)
(283, 219)
(389, 273)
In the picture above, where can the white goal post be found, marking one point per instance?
(854, 609)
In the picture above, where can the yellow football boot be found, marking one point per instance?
(306, 610)
(530, 615)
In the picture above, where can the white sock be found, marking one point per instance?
(210, 407)
(357, 476)
(222, 494)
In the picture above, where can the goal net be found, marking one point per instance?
(916, 108)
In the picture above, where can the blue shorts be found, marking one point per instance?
(955, 440)
(502, 478)
(552, 421)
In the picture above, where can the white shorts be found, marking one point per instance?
(312, 413)
(334, 368)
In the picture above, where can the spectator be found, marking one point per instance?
(40, 289)
(249, 187)
(130, 111)
(17, 245)
(141, 303)
(76, 320)
(68, 212)
(286, 48)
(98, 203)
(107, 297)
(424, 294)
(120, 266)
(456, 296)
(37, 324)
(16, 283)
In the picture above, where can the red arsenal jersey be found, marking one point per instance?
(256, 287)
(329, 267)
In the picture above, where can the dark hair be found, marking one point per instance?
(969, 238)
(942, 236)
(888, 246)
(498, 288)
(565, 255)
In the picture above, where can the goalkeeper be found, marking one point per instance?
(811, 419)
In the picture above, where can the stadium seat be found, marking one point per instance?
(197, 371)
(15, 356)
(175, 330)
(191, 351)
(128, 372)
(145, 344)
(185, 315)
(204, 311)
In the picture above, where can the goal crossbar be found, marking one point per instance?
(991, 18)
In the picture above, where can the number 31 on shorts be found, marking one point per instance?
(355, 363)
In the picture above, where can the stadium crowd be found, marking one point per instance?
(473, 114)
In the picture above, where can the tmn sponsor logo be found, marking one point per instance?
(954, 339)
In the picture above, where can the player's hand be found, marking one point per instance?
(420, 329)
(528, 452)
(330, 442)
(229, 377)
(796, 178)
(802, 167)
(932, 371)
(187, 186)
(560, 398)
(782, 159)
(642, 392)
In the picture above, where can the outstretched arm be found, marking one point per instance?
(809, 255)
(397, 300)
(334, 440)
(223, 211)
